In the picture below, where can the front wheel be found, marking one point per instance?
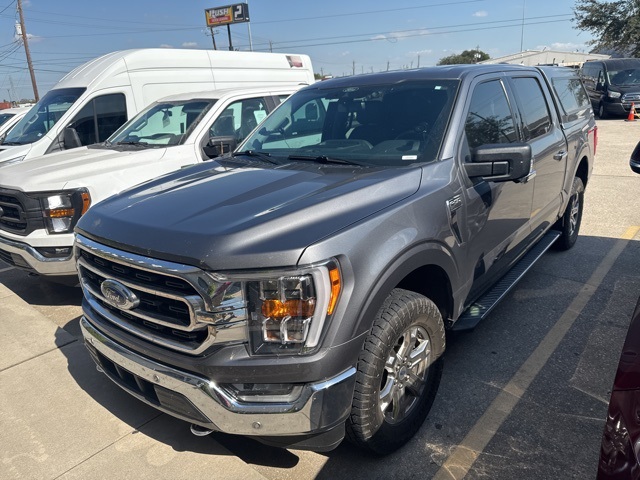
(569, 224)
(602, 113)
(399, 371)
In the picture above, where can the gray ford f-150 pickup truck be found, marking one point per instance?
(302, 287)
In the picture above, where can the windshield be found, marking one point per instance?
(379, 125)
(5, 116)
(162, 124)
(43, 116)
(627, 76)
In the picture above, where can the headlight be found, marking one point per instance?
(286, 310)
(61, 211)
(613, 94)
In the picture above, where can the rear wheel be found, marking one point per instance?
(569, 224)
(399, 371)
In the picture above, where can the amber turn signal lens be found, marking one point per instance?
(289, 308)
(60, 213)
(86, 202)
(336, 285)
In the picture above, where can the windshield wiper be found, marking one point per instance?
(11, 143)
(324, 159)
(135, 144)
(264, 156)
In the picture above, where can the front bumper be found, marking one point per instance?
(23, 255)
(319, 407)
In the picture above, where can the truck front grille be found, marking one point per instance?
(170, 306)
(19, 213)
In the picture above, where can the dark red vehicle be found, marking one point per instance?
(620, 448)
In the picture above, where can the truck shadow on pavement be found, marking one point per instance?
(478, 365)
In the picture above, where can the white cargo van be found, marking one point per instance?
(41, 200)
(95, 99)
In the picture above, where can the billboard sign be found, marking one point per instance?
(227, 15)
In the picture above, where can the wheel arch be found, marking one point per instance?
(428, 269)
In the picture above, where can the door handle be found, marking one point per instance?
(560, 155)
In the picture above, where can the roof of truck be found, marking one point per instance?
(451, 72)
(215, 94)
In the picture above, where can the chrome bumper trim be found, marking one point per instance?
(320, 406)
(40, 263)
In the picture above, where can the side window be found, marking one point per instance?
(111, 113)
(99, 118)
(571, 94)
(535, 113)
(489, 119)
(239, 119)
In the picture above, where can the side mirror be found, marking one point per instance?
(70, 138)
(217, 146)
(634, 162)
(500, 162)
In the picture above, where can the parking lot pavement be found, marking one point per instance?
(522, 396)
(60, 419)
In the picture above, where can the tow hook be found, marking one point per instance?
(199, 431)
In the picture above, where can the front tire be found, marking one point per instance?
(399, 372)
(569, 224)
(602, 113)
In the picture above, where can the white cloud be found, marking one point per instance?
(165, 45)
(480, 13)
(31, 38)
(189, 44)
(419, 52)
(564, 47)
(395, 36)
(345, 53)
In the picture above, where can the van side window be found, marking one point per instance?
(489, 119)
(99, 118)
(239, 118)
(533, 105)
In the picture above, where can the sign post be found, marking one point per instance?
(227, 15)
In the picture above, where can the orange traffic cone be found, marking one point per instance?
(632, 113)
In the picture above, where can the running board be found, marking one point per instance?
(481, 308)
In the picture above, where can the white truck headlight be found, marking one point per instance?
(61, 211)
(614, 94)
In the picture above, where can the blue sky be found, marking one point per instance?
(339, 36)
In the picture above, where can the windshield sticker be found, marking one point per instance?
(409, 157)
(260, 115)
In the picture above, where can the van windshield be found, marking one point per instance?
(627, 76)
(43, 116)
(370, 125)
(162, 124)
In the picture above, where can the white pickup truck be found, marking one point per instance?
(42, 200)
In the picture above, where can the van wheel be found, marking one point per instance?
(569, 224)
(399, 371)
(602, 113)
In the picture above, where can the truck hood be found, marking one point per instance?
(9, 152)
(81, 167)
(222, 218)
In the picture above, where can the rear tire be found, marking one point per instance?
(399, 372)
(569, 224)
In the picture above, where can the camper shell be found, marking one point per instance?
(92, 101)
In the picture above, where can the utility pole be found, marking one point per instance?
(353, 67)
(23, 32)
(213, 37)
(418, 60)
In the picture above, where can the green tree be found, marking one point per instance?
(616, 25)
(468, 56)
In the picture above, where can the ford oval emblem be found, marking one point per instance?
(119, 295)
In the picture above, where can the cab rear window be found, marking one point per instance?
(572, 95)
